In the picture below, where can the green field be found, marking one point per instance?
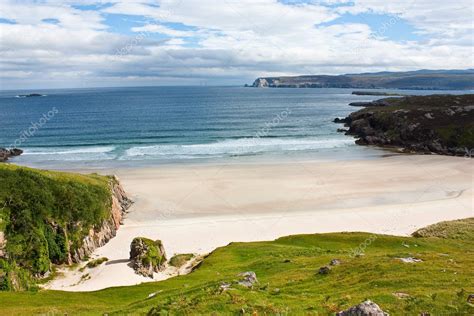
(288, 280)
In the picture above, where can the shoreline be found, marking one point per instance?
(195, 209)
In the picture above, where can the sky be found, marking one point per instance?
(59, 44)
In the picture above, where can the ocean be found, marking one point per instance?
(107, 127)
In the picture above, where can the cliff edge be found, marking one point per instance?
(53, 218)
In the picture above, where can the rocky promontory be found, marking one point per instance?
(413, 80)
(442, 124)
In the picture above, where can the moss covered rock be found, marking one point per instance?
(147, 256)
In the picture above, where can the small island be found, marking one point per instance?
(31, 95)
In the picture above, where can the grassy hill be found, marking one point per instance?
(289, 283)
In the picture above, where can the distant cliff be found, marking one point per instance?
(415, 80)
(442, 124)
(49, 218)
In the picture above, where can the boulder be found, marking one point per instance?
(339, 120)
(324, 270)
(367, 308)
(335, 262)
(147, 256)
(248, 279)
(410, 260)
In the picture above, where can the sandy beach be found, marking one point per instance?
(197, 208)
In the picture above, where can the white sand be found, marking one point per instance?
(194, 209)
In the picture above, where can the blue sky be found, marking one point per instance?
(158, 42)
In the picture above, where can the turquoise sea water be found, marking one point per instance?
(106, 127)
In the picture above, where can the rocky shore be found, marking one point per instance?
(5, 154)
(442, 124)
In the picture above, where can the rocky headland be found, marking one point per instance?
(414, 80)
(442, 124)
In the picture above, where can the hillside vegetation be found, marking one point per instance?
(44, 217)
(289, 282)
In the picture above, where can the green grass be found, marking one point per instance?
(289, 283)
(96, 262)
(180, 259)
(45, 215)
(459, 229)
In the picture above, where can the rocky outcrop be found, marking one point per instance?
(147, 256)
(248, 279)
(5, 154)
(442, 124)
(383, 102)
(99, 236)
(367, 308)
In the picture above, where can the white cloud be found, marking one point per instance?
(222, 41)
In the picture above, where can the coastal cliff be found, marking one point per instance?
(419, 80)
(52, 218)
(101, 234)
(442, 124)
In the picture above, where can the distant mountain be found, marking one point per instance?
(415, 80)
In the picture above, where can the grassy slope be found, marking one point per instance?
(45, 215)
(440, 284)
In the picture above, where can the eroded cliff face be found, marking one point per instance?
(98, 237)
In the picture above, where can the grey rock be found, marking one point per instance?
(367, 308)
(147, 256)
(410, 260)
(324, 270)
(335, 262)
(248, 279)
(5, 154)
(224, 286)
